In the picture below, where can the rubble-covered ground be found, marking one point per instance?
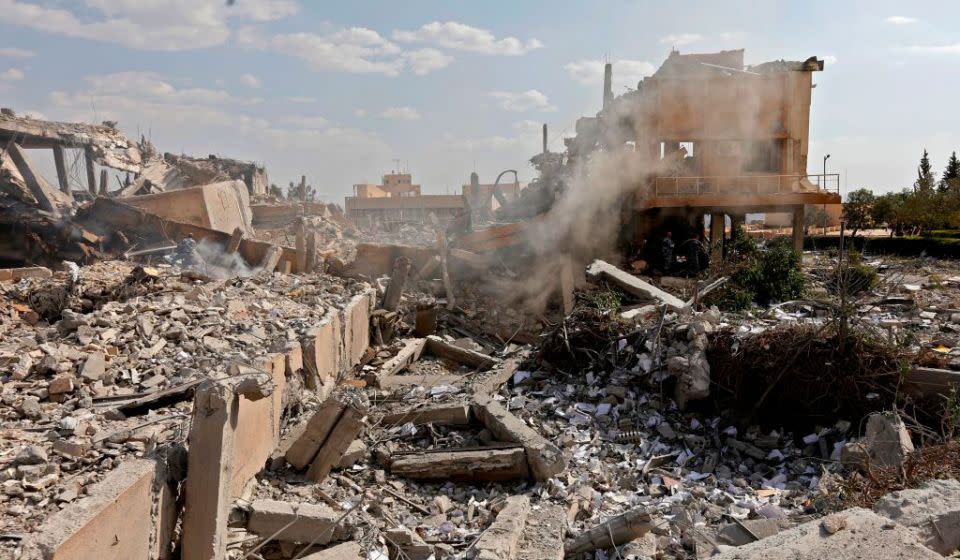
(629, 402)
(124, 334)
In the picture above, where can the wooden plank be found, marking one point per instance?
(443, 349)
(474, 465)
(924, 381)
(448, 415)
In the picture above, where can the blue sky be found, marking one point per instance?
(338, 90)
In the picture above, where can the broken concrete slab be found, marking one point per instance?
(632, 284)
(482, 465)
(342, 434)
(500, 540)
(886, 443)
(321, 351)
(932, 512)
(343, 551)
(542, 535)
(305, 447)
(407, 355)
(865, 536)
(18, 274)
(47, 197)
(354, 453)
(114, 521)
(293, 522)
(471, 358)
(544, 458)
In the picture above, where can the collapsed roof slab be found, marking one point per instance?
(107, 145)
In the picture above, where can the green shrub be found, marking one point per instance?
(763, 275)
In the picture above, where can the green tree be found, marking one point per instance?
(276, 191)
(926, 178)
(884, 211)
(950, 181)
(857, 210)
(815, 216)
(295, 192)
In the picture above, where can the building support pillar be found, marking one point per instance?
(91, 176)
(60, 161)
(716, 237)
(798, 229)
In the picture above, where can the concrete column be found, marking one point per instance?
(716, 236)
(103, 182)
(798, 229)
(91, 176)
(60, 161)
(209, 472)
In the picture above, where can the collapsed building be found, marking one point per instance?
(456, 398)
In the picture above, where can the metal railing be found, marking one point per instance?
(746, 185)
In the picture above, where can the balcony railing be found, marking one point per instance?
(746, 185)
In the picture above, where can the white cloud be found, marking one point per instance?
(401, 114)
(250, 80)
(361, 113)
(829, 59)
(357, 49)
(14, 52)
(530, 100)
(460, 36)
(528, 126)
(901, 20)
(301, 99)
(733, 35)
(306, 122)
(11, 75)
(934, 49)
(680, 39)
(424, 61)
(626, 73)
(164, 25)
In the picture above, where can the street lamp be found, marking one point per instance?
(825, 158)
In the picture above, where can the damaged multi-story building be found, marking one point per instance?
(718, 138)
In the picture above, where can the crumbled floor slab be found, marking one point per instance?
(293, 522)
(542, 535)
(343, 551)
(932, 512)
(865, 536)
(500, 541)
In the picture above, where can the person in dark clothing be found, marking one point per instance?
(666, 249)
(186, 253)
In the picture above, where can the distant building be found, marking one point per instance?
(398, 200)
